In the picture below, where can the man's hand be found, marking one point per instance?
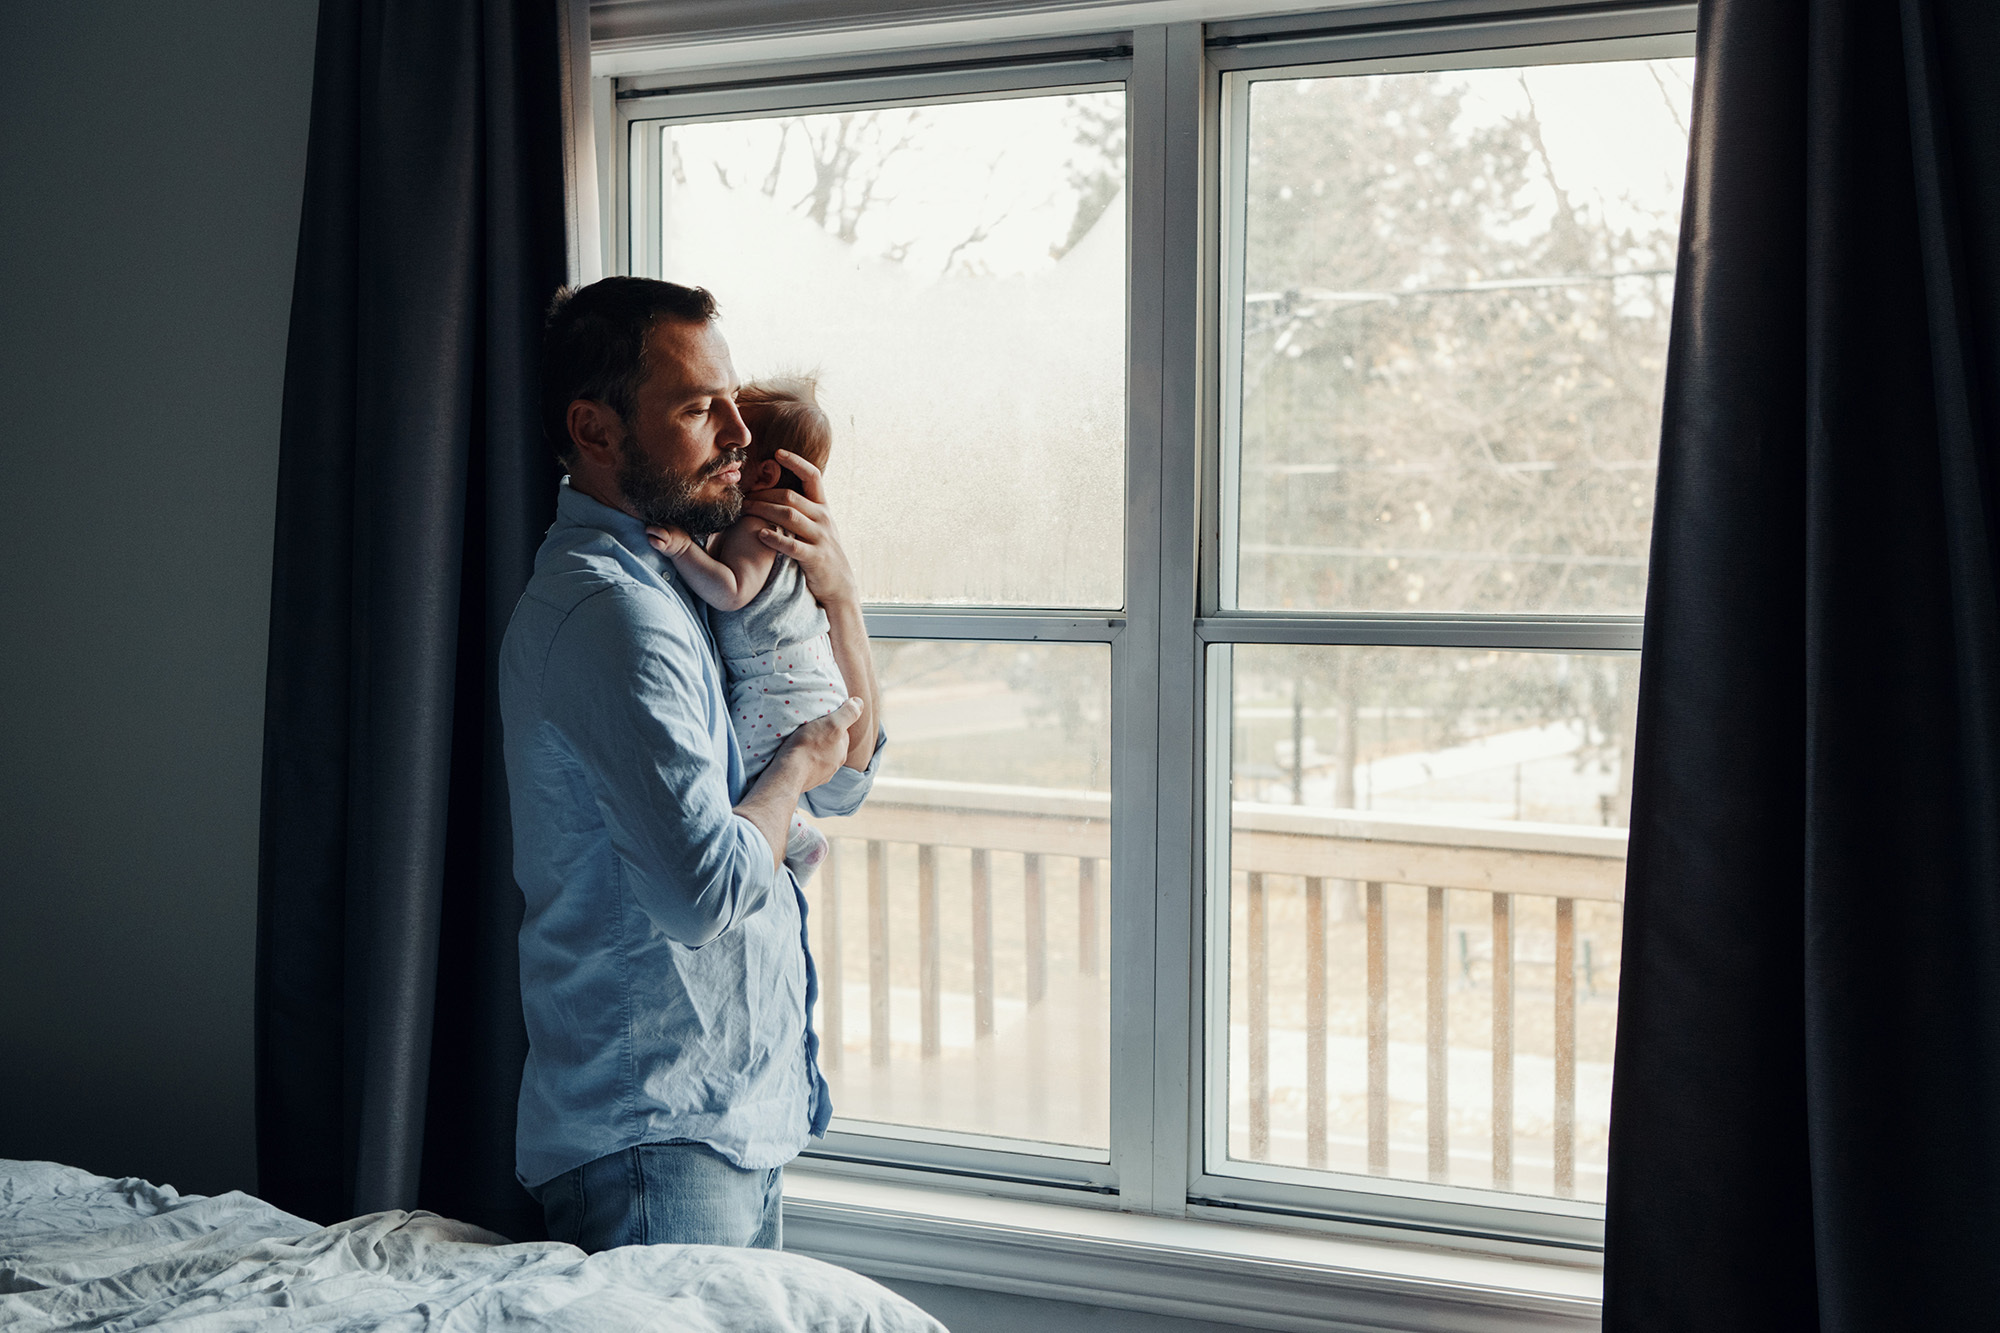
(804, 531)
(810, 755)
(819, 746)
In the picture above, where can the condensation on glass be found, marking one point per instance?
(1427, 868)
(1454, 301)
(955, 276)
(961, 925)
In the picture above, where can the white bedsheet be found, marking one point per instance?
(79, 1251)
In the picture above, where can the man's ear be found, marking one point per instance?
(596, 433)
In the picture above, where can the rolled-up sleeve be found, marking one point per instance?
(629, 707)
(843, 793)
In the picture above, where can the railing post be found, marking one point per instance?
(1035, 965)
(1092, 1049)
(1260, 1019)
(1378, 1033)
(1437, 1049)
(832, 990)
(982, 942)
(1565, 986)
(1035, 928)
(1503, 1041)
(928, 948)
(1316, 1022)
(878, 954)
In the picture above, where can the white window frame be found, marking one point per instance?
(1184, 82)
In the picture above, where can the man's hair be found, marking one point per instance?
(594, 345)
(784, 413)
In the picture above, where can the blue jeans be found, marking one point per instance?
(664, 1194)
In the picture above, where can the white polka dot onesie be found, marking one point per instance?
(780, 664)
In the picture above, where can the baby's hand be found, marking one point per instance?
(669, 542)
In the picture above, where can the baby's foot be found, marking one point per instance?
(805, 848)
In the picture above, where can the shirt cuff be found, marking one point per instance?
(843, 793)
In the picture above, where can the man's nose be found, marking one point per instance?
(735, 432)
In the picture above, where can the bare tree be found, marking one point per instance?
(850, 153)
(1450, 402)
(1096, 167)
(1425, 371)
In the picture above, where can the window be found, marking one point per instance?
(952, 268)
(1447, 302)
(1245, 435)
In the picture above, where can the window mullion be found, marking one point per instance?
(1543, 633)
(1153, 971)
(1137, 760)
(903, 622)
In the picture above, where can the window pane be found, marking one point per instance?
(1456, 289)
(961, 925)
(955, 275)
(1427, 867)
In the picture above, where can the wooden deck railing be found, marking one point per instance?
(1315, 848)
(1031, 823)
(1504, 861)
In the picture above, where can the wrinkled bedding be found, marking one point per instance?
(79, 1251)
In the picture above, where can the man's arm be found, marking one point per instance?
(625, 693)
(805, 531)
(809, 756)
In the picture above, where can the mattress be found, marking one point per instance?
(84, 1251)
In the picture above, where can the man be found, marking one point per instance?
(664, 974)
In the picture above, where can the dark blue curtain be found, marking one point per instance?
(413, 486)
(1806, 1107)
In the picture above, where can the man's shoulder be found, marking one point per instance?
(578, 563)
(587, 592)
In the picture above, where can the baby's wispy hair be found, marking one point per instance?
(783, 412)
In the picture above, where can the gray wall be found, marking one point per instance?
(151, 162)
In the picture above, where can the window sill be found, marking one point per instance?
(1229, 1273)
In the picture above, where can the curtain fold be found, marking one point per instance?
(413, 487)
(1804, 1098)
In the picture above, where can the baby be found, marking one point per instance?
(772, 634)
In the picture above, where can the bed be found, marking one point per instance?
(85, 1251)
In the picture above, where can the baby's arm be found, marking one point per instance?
(728, 576)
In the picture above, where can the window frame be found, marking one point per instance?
(1183, 255)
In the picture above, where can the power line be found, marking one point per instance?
(1318, 295)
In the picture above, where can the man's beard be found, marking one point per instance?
(664, 499)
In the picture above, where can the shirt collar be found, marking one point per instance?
(575, 509)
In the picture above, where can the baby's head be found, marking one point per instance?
(783, 413)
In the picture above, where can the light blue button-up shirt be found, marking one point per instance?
(664, 970)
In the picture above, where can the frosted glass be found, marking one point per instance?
(955, 276)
